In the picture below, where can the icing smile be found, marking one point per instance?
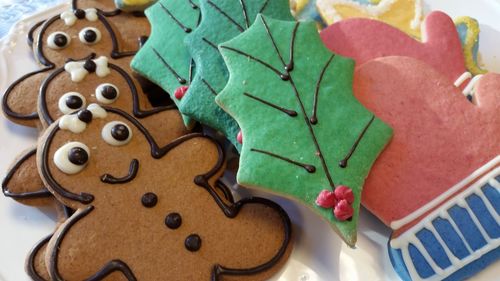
(132, 173)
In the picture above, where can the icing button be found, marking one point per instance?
(78, 156)
(90, 66)
(79, 13)
(149, 200)
(173, 220)
(85, 116)
(193, 242)
(180, 92)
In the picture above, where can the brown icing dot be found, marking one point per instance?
(173, 220)
(193, 242)
(149, 200)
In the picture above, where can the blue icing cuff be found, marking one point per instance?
(455, 241)
(134, 5)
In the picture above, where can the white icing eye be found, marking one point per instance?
(107, 93)
(89, 35)
(116, 133)
(58, 40)
(71, 102)
(72, 157)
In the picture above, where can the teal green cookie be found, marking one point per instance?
(164, 59)
(221, 21)
(303, 130)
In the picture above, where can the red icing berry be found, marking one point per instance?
(239, 137)
(343, 210)
(326, 199)
(344, 192)
(180, 92)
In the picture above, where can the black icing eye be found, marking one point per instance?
(58, 40)
(116, 133)
(78, 156)
(107, 93)
(71, 102)
(120, 132)
(72, 157)
(89, 35)
(74, 102)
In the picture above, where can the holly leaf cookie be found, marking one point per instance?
(304, 134)
(221, 21)
(155, 209)
(164, 59)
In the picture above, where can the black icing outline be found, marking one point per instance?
(5, 99)
(42, 193)
(139, 113)
(115, 53)
(231, 210)
(30, 261)
(132, 173)
(30, 38)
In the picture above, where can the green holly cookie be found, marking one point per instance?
(305, 136)
(221, 21)
(164, 59)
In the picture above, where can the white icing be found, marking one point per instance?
(97, 111)
(91, 14)
(466, 75)
(61, 158)
(471, 87)
(81, 35)
(78, 72)
(417, 20)
(69, 17)
(102, 69)
(102, 99)
(107, 137)
(488, 175)
(72, 123)
(62, 102)
(51, 39)
(75, 125)
(445, 195)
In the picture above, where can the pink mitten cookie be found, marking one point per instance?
(366, 39)
(430, 184)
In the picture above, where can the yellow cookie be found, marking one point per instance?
(403, 14)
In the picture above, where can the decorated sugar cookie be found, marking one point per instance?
(304, 134)
(155, 209)
(165, 59)
(366, 39)
(221, 21)
(405, 15)
(468, 30)
(436, 184)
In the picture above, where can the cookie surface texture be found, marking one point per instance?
(303, 130)
(221, 21)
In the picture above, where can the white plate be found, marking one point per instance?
(319, 255)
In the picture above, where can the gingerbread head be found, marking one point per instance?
(154, 209)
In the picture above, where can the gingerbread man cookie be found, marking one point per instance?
(154, 209)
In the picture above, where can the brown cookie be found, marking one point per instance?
(146, 212)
